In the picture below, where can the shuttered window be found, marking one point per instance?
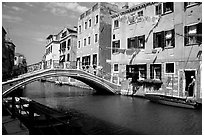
(136, 42)
(193, 34)
(115, 46)
(169, 38)
(158, 40)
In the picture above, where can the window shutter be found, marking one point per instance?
(136, 45)
(185, 5)
(163, 44)
(173, 37)
(185, 35)
(164, 7)
(154, 40)
(172, 6)
(199, 33)
(128, 43)
(143, 37)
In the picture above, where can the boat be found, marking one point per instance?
(187, 102)
(43, 116)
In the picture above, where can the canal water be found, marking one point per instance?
(127, 115)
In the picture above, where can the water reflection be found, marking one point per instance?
(135, 114)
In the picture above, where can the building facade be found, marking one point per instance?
(20, 64)
(68, 46)
(94, 38)
(157, 47)
(61, 49)
(51, 58)
(8, 51)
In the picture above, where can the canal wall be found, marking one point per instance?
(69, 82)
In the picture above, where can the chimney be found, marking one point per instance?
(125, 6)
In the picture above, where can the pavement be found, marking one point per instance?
(13, 126)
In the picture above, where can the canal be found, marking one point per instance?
(123, 114)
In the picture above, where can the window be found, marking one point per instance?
(62, 58)
(168, 7)
(86, 60)
(89, 40)
(85, 42)
(193, 34)
(141, 41)
(140, 13)
(132, 43)
(64, 34)
(80, 29)
(155, 71)
(89, 22)
(94, 60)
(136, 72)
(136, 42)
(96, 19)
(169, 38)
(158, 9)
(158, 39)
(113, 36)
(85, 25)
(116, 23)
(96, 38)
(115, 67)
(68, 57)
(115, 46)
(69, 44)
(189, 4)
(79, 44)
(63, 46)
(142, 72)
(169, 68)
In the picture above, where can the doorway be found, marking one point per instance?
(188, 79)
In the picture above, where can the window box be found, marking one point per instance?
(150, 81)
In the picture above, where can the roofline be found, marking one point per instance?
(134, 8)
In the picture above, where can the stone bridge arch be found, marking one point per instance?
(102, 86)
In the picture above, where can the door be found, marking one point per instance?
(189, 88)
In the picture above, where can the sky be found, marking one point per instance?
(29, 23)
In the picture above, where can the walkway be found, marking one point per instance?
(12, 126)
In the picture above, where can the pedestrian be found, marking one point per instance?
(191, 86)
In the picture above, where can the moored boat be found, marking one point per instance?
(172, 101)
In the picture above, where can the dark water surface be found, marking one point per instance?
(131, 113)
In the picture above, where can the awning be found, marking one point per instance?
(143, 57)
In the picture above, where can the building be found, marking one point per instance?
(51, 58)
(68, 46)
(8, 50)
(157, 47)
(61, 49)
(94, 38)
(20, 64)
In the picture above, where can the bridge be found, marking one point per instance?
(102, 86)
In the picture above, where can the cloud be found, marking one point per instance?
(13, 19)
(62, 8)
(39, 39)
(29, 4)
(17, 8)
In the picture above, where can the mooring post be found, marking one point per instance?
(31, 112)
(13, 106)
